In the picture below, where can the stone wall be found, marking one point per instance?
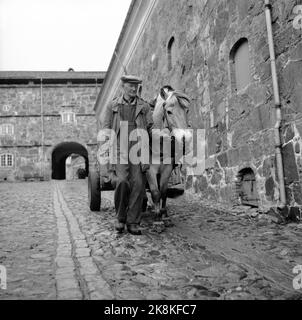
(239, 124)
(20, 105)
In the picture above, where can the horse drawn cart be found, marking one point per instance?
(99, 180)
(168, 100)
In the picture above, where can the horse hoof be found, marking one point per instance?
(145, 205)
(158, 227)
(164, 213)
(168, 223)
(157, 216)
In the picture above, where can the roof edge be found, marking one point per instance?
(52, 75)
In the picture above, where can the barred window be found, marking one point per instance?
(6, 129)
(6, 160)
(3, 160)
(6, 108)
(68, 117)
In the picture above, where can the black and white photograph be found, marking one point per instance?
(151, 151)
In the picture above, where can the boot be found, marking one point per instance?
(134, 229)
(119, 226)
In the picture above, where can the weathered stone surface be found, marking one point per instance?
(294, 214)
(238, 123)
(297, 148)
(269, 187)
(24, 114)
(223, 160)
(81, 244)
(233, 157)
(206, 254)
(244, 154)
(70, 294)
(297, 191)
(289, 134)
(67, 284)
(299, 128)
(290, 166)
(82, 252)
(268, 165)
(202, 184)
(289, 194)
(216, 177)
(28, 241)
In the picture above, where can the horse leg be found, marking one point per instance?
(145, 202)
(155, 193)
(164, 181)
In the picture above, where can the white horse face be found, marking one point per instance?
(177, 119)
(171, 111)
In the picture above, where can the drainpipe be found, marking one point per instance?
(42, 128)
(277, 104)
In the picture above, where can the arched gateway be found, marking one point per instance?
(59, 155)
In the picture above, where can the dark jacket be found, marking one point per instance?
(112, 119)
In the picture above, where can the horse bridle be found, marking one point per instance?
(167, 120)
(166, 117)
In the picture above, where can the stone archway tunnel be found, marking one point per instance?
(59, 155)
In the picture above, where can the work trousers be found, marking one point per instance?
(129, 193)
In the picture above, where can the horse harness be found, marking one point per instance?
(165, 117)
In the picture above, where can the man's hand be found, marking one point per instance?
(113, 178)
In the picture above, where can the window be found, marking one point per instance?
(170, 53)
(6, 108)
(240, 65)
(6, 160)
(68, 117)
(6, 129)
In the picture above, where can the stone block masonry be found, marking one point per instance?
(219, 57)
(77, 276)
(34, 104)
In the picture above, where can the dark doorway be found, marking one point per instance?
(59, 155)
(246, 187)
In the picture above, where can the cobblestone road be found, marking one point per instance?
(54, 248)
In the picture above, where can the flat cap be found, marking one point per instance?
(131, 79)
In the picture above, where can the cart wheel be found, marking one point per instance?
(94, 191)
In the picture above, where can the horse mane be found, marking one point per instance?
(158, 113)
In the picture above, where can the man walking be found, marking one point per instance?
(130, 179)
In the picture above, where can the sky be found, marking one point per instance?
(55, 35)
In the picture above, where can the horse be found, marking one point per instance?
(170, 118)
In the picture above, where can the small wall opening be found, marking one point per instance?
(240, 65)
(246, 187)
(170, 53)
